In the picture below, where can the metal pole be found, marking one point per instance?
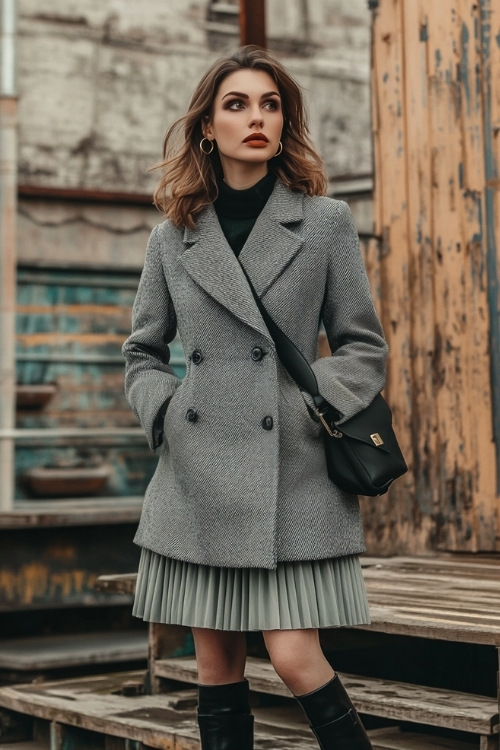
(253, 22)
(8, 213)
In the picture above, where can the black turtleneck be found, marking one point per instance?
(237, 210)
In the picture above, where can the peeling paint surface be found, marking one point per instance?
(437, 210)
(70, 329)
(59, 567)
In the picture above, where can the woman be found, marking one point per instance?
(241, 528)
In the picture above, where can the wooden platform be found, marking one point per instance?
(92, 711)
(446, 597)
(440, 599)
(449, 597)
(384, 698)
(96, 704)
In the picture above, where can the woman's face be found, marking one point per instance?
(246, 120)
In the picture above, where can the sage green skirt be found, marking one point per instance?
(315, 594)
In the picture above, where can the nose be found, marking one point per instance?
(256, 119)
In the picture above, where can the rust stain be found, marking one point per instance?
(36, 582)
(61, 552)
(54, 338)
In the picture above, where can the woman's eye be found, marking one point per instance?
(235, 104)
(272, 105)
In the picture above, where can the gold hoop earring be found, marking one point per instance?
(207, 153)
(280, 149)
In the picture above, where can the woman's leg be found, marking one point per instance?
(224, 714)
(220, 656)
(298, 659)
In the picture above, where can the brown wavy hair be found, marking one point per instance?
(189, 177)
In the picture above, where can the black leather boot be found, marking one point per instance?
(334, 719)
(224, 717)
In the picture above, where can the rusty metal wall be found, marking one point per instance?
(436, 123)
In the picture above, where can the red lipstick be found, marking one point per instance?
(257, 138)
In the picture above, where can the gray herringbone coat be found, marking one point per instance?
(229, 491)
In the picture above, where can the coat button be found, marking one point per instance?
(257, 354)
(267, 423)
(196, 357)
(191, 415)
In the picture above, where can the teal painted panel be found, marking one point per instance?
(131, 465)
(70, 330)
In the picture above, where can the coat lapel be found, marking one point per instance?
(269, 250)
(272, 245)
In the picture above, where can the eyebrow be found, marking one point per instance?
(245, 96)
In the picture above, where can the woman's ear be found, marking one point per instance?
(206, 128)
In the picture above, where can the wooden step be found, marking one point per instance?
(120, 583)
(98, 704)
(384, 698)
(391, 739)
(71, 512)
(71, 650)
(448, 597)
(394, 739)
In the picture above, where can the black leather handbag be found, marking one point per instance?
(362, 454)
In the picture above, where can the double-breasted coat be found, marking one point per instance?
(241, 479)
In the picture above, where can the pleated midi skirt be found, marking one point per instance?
(317, 594)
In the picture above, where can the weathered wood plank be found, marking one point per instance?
(157, 721)
(420, 304)
(290, 717)
(435, 83)
(462, 563)
(94, 704)
(395, 739)
(165, 641)
(58, 567)
(385, 698)
(490, 27)
(384, 621)
(97, 510)
(464, 397)
(69, 650)
(449, 598)
(117, 584)
(481, 410)
(146, 719)
(393, 523)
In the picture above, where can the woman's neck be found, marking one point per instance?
(242, 179)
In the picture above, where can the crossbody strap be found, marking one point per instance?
(292, 358)
(296, 365)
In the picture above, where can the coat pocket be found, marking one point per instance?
(296, 412)
(174, 412)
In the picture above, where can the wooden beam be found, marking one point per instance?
(253, 22)
(42, 192)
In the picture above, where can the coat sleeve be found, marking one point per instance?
(150, 381)
(351, 378)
